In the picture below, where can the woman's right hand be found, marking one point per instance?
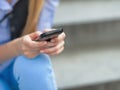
(29, 47)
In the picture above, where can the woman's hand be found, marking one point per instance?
(55, 46)
(31, 48)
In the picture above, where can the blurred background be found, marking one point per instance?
(91, 59)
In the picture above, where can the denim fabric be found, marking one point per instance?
(21, 72)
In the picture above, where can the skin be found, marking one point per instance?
(27, 46)
(9, 1)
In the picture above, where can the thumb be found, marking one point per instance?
(35, 35)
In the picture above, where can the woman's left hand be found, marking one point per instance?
(55, 46)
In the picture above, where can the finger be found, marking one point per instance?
(53, 49)
(50, 44)
(33, 44)
(57, 52)
(34, 35)
(60, 38)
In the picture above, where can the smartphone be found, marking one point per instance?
(47, 36)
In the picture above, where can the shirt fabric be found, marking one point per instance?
(45, 21)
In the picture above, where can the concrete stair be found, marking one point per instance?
(91, 60)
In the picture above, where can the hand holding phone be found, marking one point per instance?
(47, 36)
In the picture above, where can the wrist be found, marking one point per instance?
(18, 49)
(14, 46)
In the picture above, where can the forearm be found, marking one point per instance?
(30, 48)
(9, 50)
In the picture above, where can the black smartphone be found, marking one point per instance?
(47, 36)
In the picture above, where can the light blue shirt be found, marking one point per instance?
(45, 20)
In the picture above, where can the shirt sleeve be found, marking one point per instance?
(47, 15)
(4, 5)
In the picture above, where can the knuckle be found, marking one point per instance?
(27, 43)
(31, 45)
(64, 35)
(59, 51)
(56, 48)
(56, 51)
(24, 39)
(23, 48)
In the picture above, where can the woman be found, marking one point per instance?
(25, 64)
